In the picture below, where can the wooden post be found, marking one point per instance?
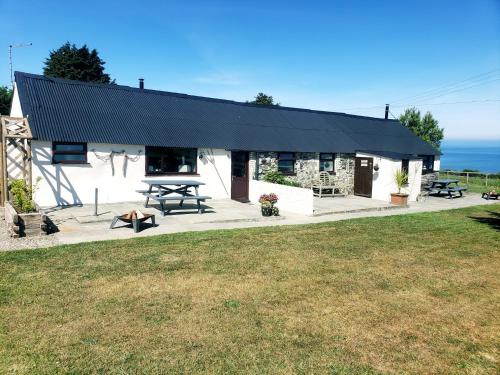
(486, 179)
(18, 131)
(2, 191)
(5, 177)
(467, 178)
(29, 168)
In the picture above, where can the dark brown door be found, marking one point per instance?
(363, 177)
(239, 176)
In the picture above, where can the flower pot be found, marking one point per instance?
(266, 210)
(399, 198)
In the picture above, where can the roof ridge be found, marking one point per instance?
(189, 96)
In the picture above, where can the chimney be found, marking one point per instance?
(141, 83)
(386, 111)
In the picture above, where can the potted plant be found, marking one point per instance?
(401, 179)
(23, 216)
(267, 204)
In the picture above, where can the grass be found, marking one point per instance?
(401, 294)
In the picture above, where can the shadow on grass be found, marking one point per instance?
(493, 220)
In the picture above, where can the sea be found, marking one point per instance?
(483, 156)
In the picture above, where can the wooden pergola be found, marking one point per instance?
(15, 153)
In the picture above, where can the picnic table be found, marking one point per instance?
(450, 187)
(173, 190)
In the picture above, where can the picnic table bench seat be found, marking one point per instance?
(178, 197)
(448, 190)
(146, 191)
(163, 198)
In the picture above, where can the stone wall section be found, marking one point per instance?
(344, 173)
(428, 178)
(306, 168)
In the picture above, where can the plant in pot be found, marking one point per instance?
(401, 179)
(22, 215)
(267, 204)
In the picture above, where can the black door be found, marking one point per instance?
(363, 177)
(239, 176)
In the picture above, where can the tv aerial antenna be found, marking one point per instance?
(11, 47)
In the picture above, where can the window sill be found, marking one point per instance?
(71, 164)
(172, 174)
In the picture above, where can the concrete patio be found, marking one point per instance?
(349, 204)
(78, 223)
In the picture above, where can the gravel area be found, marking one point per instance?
(8, 243)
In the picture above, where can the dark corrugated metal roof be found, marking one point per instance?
(391, 155)
(64, 110)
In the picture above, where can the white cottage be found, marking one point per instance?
(111, 137)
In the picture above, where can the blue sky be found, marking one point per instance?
(348, 56)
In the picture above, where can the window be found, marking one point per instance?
(286, 163)
(69, 153)
(405, 166)
(427, 163)
(326, 162)
(162, 160)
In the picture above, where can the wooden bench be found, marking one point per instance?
(181, 198)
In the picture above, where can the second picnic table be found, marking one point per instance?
(172, 190)
(449, 187)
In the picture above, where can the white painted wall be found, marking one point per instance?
(437, 163)
(290, 199)
(383, 179)
(15, 109)
(66, 184)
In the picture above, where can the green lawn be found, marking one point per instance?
(402, 294)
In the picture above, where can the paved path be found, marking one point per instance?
(77, 224)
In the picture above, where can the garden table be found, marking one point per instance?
(169, 190)
(449, 187)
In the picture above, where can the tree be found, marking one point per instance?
(426, 127)
(5, 100)
(76, 63)
(264, 99)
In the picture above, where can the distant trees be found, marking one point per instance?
(264, 99)
(426, 127)
(80, 64)
(5, 100)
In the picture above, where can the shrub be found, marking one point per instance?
(22, 195)
(276, 177)
(401, 179)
